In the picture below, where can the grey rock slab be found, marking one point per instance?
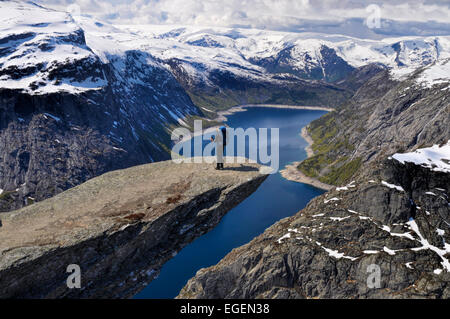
(120, 228)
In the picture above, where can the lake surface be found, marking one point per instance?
(275, 199)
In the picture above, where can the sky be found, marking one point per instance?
(396, 17)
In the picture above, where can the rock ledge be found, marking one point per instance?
(120, 228)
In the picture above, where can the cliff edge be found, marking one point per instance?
(383, 237)
(120, 228)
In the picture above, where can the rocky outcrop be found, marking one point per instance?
(51, 142)
(390, 218)
(70, 112)
(383, 117)
(120, 228)
(397, 222)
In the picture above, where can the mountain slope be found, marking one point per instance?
(69, 114)
(396, 224)
(79, 97)
(386, 115)
(390, 216)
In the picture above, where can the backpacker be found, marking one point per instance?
(223, 129)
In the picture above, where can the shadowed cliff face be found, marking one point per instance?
(325, 250)
(120, 228)
(69, 112)
(51, 142)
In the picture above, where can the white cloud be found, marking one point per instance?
(270, 14)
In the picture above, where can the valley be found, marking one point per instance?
(87, 109)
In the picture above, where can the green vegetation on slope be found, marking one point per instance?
(330, 163)
(341, 175)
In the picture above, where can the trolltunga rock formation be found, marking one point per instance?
(120, 228)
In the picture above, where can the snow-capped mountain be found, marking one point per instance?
(43, 51)
(37, 44)
(308, 55)
(79, 97)
(69, 112)
(221, 60)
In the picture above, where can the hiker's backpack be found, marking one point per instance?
(224, 134)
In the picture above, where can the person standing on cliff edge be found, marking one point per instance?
(221, 142)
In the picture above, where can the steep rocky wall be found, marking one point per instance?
(394, 216)
(324, 251)
(120, 228)
(51, 142)
(383, 117)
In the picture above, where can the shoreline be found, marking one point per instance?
(290, 172)
(309, 140)
(221, 115)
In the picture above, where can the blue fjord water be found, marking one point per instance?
(275, 199)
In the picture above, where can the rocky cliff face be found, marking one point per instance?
(68, 114)
(120, 228)
(392, 217)
(386, 115)
(398, 220)
(79, 98)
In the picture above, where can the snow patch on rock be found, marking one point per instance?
(436, 158)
